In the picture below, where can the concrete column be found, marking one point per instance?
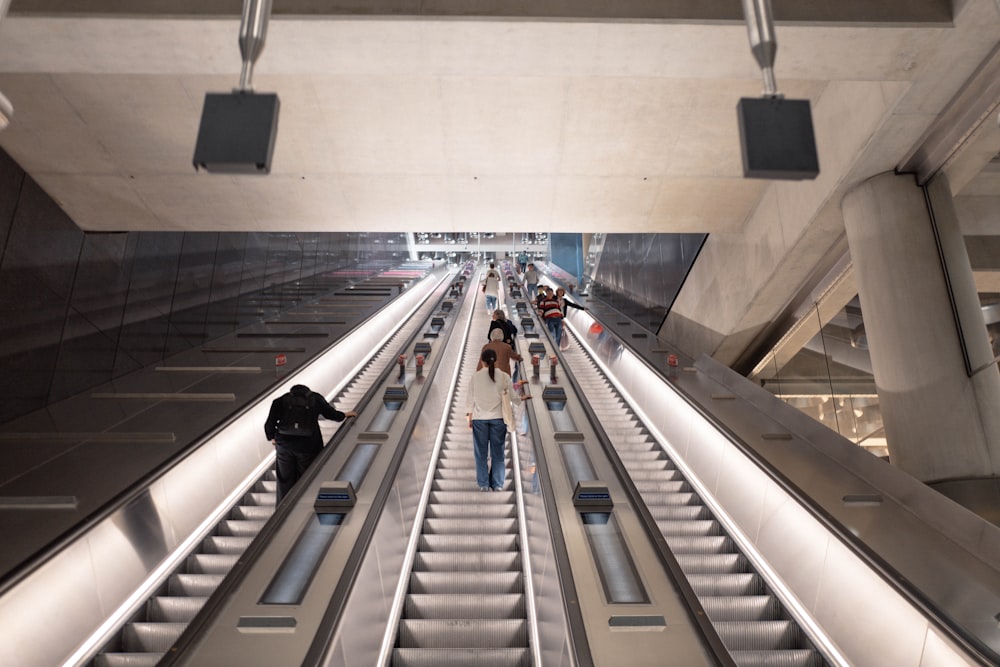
(920, 305)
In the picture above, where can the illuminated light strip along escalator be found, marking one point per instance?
(749, 619)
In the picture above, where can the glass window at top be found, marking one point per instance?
(830, 378)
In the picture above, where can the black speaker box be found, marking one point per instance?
(777, 139)
(237, 133)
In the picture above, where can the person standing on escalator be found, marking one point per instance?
(491, 287)
(489, 389)
(292, 426)
(551, 312)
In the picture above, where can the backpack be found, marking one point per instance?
(297, 417)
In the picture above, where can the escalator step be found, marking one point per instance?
(467, 464)
(469, 527)
(484, 510)
(679, 512)
(455, 473)
(742, 608)
(127, 659)
(463, 484)
(615, 425)
(658, 476)
(461, 657)
(173, 609)
(151, 637)
(464, 606)
(460, 633)
(679, 499)
(252, 512)
(240, 528)
(696, 544)
(225, 544)
(491, 583)
(662, 486)
(635, 441)
(464, 561)
(197, 585)
(634, 458)
(471, 543)
(463, 453)
(265, 486)
(700, 528)
(472, 497)
(789, 658)
(746, 583)
(760, 635)
(260, 499)
(713, 563)
(211, 563)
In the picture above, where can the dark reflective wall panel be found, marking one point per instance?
(36, 280)
(96, 311)
(80, 309)
(150, 296)
(641, 274)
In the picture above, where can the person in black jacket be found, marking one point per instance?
(566, 303)
(501, 322)
(292, 426)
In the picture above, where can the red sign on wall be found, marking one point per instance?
(280, 360)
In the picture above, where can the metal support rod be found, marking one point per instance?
(253, 31)
(763, 44)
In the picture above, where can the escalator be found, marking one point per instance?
(751, 621)
(465, 605)
(156, 627)
(143, 641)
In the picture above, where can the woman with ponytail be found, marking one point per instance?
(489, 389)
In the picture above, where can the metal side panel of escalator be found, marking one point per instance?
(143, 641)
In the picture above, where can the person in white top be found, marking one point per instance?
(491, 287)
(489, 388)
(531, 283)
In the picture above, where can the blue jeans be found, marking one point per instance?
(532, 291)
(555, 325)
(491, 302)
(488, 436)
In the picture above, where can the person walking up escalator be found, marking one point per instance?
(292, 426)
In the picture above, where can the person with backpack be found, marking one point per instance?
(292, 426)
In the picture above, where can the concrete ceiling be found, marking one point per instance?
(454, 123)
